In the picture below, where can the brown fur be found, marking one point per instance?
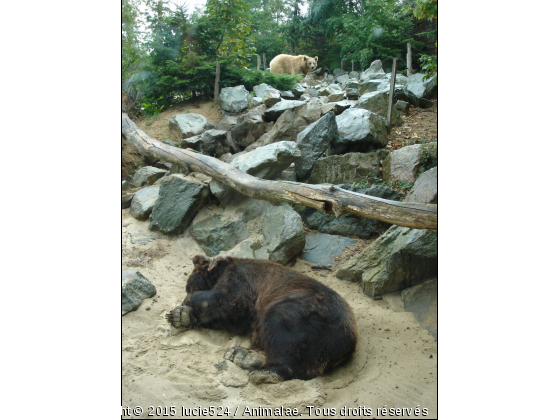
(290, 64)
(304, 327)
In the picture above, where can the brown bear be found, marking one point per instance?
(292, 64)
(303, 327)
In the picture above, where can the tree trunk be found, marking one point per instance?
(408, 60)
(391, 93)
(326, 198)
(217, 83)
(258, 61)
(264, 61)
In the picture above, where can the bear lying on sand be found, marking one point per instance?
(293, 64)
(303, 327)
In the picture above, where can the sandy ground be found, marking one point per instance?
(395, 364)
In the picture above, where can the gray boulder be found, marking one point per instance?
(336, 96)
(283, 233)
(183, 126)
(143, 202)
(233, 100)
(375, 71)
(272, 114)
(417, 89)
(312, 92)
(421, 300)
(342, 79)
(269, 94)
(359, 130)
(256, 101)
(348, 224)
(406, 163)
(378, 102)
(338, 72)
(403, 106)
(298, 90)
(127, 185)
(265, 162)
(251, 126)
(313, 141)
(290, 124)
(354, 74)
(424, 189)
(227, 122)
(352, 93)
(215, 234)
(134, 289)
(179, 199)
(147, 176)
(347, 168)
(321, 248)
(211, 143)
(252, 250)
(127, 196)
(400, 258)
(369, 86)
(337, 107)
(287, 94)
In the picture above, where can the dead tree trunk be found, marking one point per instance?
(326, 198)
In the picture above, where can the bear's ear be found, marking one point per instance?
(219, 261)
(316, 59)
(199, 261)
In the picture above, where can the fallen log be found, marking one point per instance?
(326, 198)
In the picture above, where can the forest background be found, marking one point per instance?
(169, 54)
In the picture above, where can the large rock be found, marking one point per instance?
(147, 176)
(183, 126)
(378, 102)
(359, 130)
(400, 258)
(265, 162)
(404, 164)
(337, 107)
(250, 127)
(347, 168)
(424, 189)
(417, 89)
(272, 114)
(143, 202)
(233, 100)
(321, 248)
(215, 234)
(290, 124)
(375, 71)
(211, 143)
(227, 122)
(179, 200)
(421, 300)
(134, 289)
(252, 250)
(369, 86)
(348, 224)
(283, 233)
(313, 141)
(298, 90)
(270, 95)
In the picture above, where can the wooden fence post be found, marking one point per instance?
(408, 60)
(391, 91)
(217, 83)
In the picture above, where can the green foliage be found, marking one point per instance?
(400, 187)
(425, 9)
(429, 66)
(428, 157)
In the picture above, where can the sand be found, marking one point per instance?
(395, 365)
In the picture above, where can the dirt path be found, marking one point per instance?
(395, 363)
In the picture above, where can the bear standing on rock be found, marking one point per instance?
(303, 327)
(293, 64)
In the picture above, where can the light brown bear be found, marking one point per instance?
(293, 64)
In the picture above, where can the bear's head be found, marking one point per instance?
(205, 275)
(310, 63)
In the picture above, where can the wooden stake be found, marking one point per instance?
(391, 91)
(217, 83)
(408, 60)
